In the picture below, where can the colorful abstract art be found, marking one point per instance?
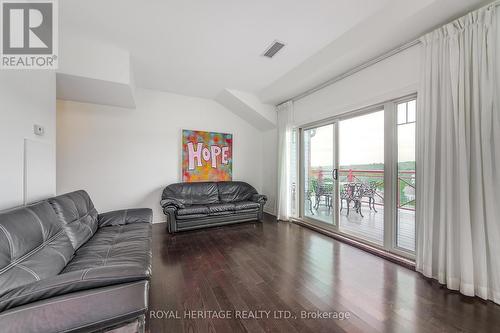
(206, 156)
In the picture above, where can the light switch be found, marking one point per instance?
(39, 130)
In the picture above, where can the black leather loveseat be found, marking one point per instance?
(197, 205)
(66, 268)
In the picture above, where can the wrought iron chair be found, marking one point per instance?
(369, 191)
(352, 192)
(344, 195)
(323, 191)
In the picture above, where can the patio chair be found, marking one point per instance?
(344, 195)
(323, 191)
(352, 192)
(369, 191)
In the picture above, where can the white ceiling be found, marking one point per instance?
(200, 48)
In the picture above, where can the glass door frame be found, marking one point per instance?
(335, 214)
(390, 174)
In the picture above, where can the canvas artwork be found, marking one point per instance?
(206, 156)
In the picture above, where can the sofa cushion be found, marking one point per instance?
(235, 191)
(70, 282)
(245, 205)
(33, 246)
(122, 245)
(77, 214)
(188, 194)
(215, 209)
(193, 210)
(125, 216)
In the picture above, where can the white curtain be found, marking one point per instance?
(458, 156)
(285, 123)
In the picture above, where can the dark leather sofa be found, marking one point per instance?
(66, 268)
(197, 205)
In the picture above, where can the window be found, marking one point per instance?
(407, 112)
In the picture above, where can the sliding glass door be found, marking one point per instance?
(318, 155)
(358, 173)
(361, 171)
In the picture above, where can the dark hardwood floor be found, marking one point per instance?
(281, 266)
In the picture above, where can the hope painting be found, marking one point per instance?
(206, 156)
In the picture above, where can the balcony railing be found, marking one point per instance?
(406, 184)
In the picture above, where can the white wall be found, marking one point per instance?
(391, 78)
(124, 158)
(26, 98)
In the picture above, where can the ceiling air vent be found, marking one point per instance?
(273, 49)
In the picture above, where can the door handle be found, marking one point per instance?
(335, 174)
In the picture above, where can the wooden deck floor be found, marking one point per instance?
(280, 266)
(371, 226)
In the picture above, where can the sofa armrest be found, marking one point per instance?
(126, 216)
(93, 310)
(171, 202)
(260, 198)
(170, 212)
(71, 282)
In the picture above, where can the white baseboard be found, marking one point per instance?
(270, 211)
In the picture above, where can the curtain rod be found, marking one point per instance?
(356, 69)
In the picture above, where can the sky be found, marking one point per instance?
(361, 141)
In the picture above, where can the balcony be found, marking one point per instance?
(367, 221)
